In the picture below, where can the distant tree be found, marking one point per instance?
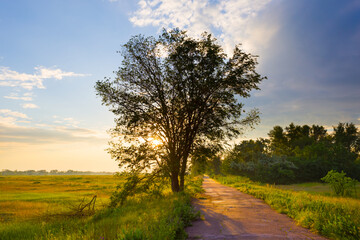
(181, 91)
(203, 159)
(248, 151)
(279, 144)
(318, 132)
(298, 136)
(42, 172)
(30, 172)
(347, 135)
(277, 135)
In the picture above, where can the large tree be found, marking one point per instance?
(183, 92)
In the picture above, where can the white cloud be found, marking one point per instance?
(30, 105)
(7, 121)
(234, 21)
(25, 97)
(10, 113)
(10, 118)
(12, 78)
(41, 133)
(46, 134)
(69, 122)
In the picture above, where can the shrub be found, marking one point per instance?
(341, 185)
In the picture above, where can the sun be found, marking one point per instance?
(155, 142)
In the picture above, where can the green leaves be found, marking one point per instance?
(342, 185)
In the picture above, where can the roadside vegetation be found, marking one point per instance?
(302, 171)
(44, 207)
(315, 188)
(330, 216)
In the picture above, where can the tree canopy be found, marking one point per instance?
(183, 92)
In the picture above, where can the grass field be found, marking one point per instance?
(334, 217)
(27, 197)
(42, 207)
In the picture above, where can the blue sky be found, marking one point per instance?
(53, 51)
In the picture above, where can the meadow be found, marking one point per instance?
(318, 210)
(47, 207)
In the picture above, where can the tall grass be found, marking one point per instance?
(337, 218)
(141, 217)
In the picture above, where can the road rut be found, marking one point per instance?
(230, 214)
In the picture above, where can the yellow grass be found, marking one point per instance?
(26, 197)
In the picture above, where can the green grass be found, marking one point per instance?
(30, 210)
(315, 188)
(334, 217)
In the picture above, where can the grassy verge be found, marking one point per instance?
(337, 218)
(139, 218)
(316, 188)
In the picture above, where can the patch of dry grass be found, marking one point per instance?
(26, 197)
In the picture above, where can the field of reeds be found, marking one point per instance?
(65, 207)
(330, 216)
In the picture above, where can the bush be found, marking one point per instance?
(342, 185)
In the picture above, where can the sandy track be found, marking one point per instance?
(230, 214)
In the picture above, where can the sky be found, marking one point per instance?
(53, 51)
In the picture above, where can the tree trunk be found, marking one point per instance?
(175, 183)
(182, 181)
(182, 172)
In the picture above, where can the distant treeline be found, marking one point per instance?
(7, 172)
(292, 154)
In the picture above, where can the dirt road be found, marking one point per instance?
(230, 214)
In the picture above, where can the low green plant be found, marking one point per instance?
(340, 183)
(145, 184)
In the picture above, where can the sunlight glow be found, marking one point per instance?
(155, 142)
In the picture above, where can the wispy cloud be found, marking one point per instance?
(68, 121)
(10, 118)
(30, 105)
(40, 135)
(233, 21)
(24, 97)
(7, 112)
(13, 133)
(13, 78)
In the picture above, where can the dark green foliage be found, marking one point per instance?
(341, 185)
(273, 169)
(297, 154)
(248, 151)
(347, 135)
(206, 160)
